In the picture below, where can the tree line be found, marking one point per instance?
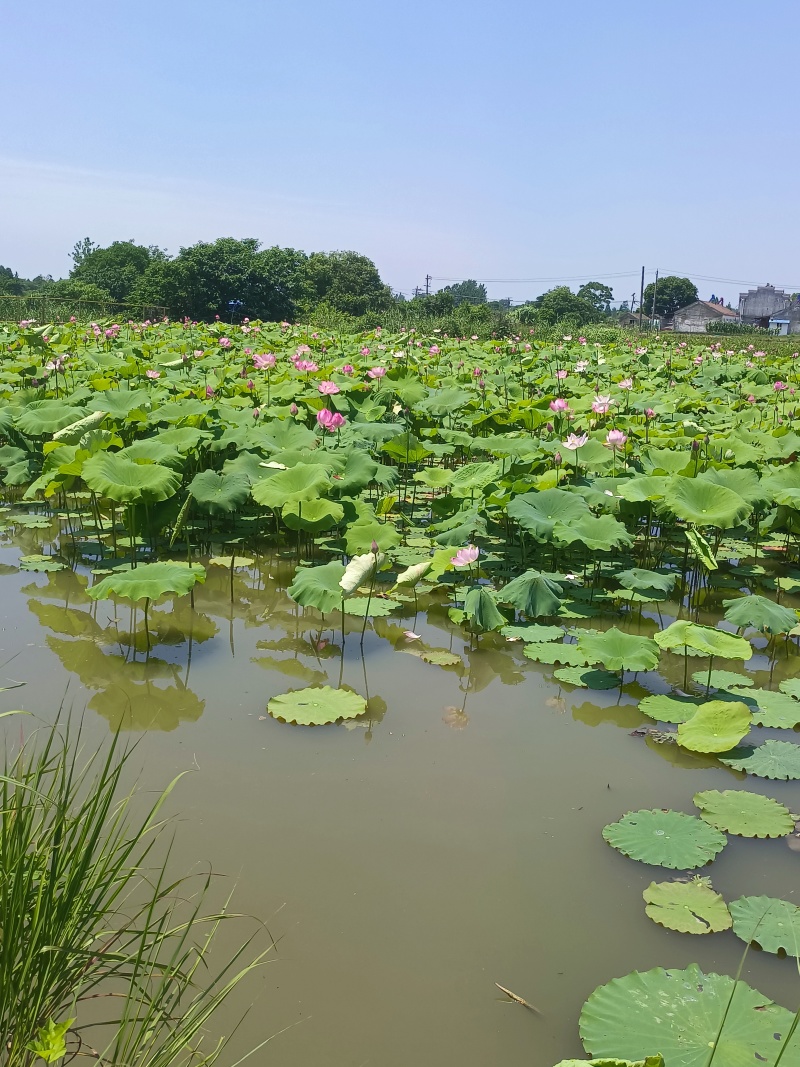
(233, 279)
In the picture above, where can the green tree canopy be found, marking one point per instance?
(346, 281)
(560, 304)
(204, 278)
(115, 269)
(673, 293)
(598, 295)
(467, 292)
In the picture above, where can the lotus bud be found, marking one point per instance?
(549, 427)
(557, 459)
(695, 446)
(374, 548)
(293, 409)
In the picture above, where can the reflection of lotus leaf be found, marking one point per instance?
(316, 706)
(292, 668)
(688, 907)
(665, 838)
(63, 620)
(737, 811)
(129, 706)
(680, 1013)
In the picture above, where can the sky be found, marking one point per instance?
(519, 143)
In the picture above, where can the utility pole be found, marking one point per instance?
(633, 302)
(653, 311)
(428, 281)
(417, 291)
(641, 300)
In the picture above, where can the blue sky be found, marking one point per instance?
(511, 140)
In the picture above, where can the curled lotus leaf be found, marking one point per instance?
(760, 613)
(618, 651)
(318, 587)
(702, 641)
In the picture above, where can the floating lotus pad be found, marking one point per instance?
(772, 923)
(716, 726)
(688, 907)
(779, 760)
(316, 706)
(737, 811)
(665, 839)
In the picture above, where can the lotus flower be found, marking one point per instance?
(209, 391)
(779, 386)
(465, 557)
(224, 342)
(559, 405)
(434, 350)
(264, 361)
(581, 366)
(348, 368)
(649, 413)
(616, 439)
(376, 372)
(575, 441)
(324, 418)
(626, 383)
(328, 388)
(306, 365)
(561, 375)
(601, 405)
(153, 374)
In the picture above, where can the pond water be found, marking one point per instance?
(403, 863)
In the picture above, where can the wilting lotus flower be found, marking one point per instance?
(465, 557)
(559, 404)
(779, 386)
(153, 374)
(264, 361)
(626, 383)
(601, 405)
(616, 439)
(328, 388)
(376, 372)
(575, 441)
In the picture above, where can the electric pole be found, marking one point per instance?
(653, 311)
(641, 300)
(428, 281)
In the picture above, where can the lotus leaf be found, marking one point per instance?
(219, 494)
(680, 1013)
(772, 923)
(149, 581)
(318, 587)
(316, 706)
(368, 606)
(312, 515)
(702, 549)
(533, 593)
(127, 482)
(722, 679)
(534, 632)
(716, 726)
(665, 838)
(737, 811)
(688, 907)
(703, 641)
(481, 610)
(358, 570)
(705, 504)
(303, 482)
(641, 580)
(668, 708)
(760, 613)
(779, 760)
(586, 678)
(618, 651)
(773, 709)
(556, 652)
(538, 513)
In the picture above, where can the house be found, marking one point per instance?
(629, 320)
(786, 321)
(695, 318)
(757, 306)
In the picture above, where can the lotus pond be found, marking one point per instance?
(539, 605)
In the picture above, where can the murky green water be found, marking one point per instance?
(407, 863)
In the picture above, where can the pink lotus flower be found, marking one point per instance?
(224, 342)
(197, 353)
(306, 365)
(561, 375)
(581, 340)
(575, 441)
(601, 405)
(302, 350)
(649, 413)
(364, 351)
(337, 421)
(626, 383)
(640, 351)
(250, 383)
(434, 350)
(581, 366)
(153, 374)
(751, 399)
(324, 418)
(779, 386)
(616, 439)
(256, 413)
(264, 361)
(559, 404)
(465, 557)
(292, 407)
(328, 388)
(348, 368)
(376, 372)
(209, 391)
(527, 348)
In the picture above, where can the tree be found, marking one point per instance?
(467, 292)
(74, 289)
(346, 281)
(598, 295)
(562, 304)
(117, 269)
(204, 279)
(10, 283)
(673, 293)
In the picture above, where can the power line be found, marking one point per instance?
(728, 281)
(531, 281)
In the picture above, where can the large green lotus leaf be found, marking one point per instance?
(642, 488)
(668, 708)
(369, 606)
(791, 686)
(737, 811)
(359, 570)
(649, 1061)
(481, 610)
(538, 513)
(119, 403)
(705, 504)
(286, 433)
(722, 679)
(149, 581)
(312, 515)
(597, 533)
(318, 587)
(772, 923)
(688, 907)
(779, 760)
(219, 494)
(534, 632)
(679, 1013)
(772, 709)
(359, 471)
(702, 641)
(406, 449)
(742, 480)
(670, 460)
(618, 651)
(665, 838)
(153, 450)
(641, 580)
(760, 613)
(434, 477)
(361, 534)
(555, 652)
(47, 416)
(316, 706)
(184, 438)
(586, 678)
(305, 481)
(127, 482)
(533, 593)
(716, 726)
